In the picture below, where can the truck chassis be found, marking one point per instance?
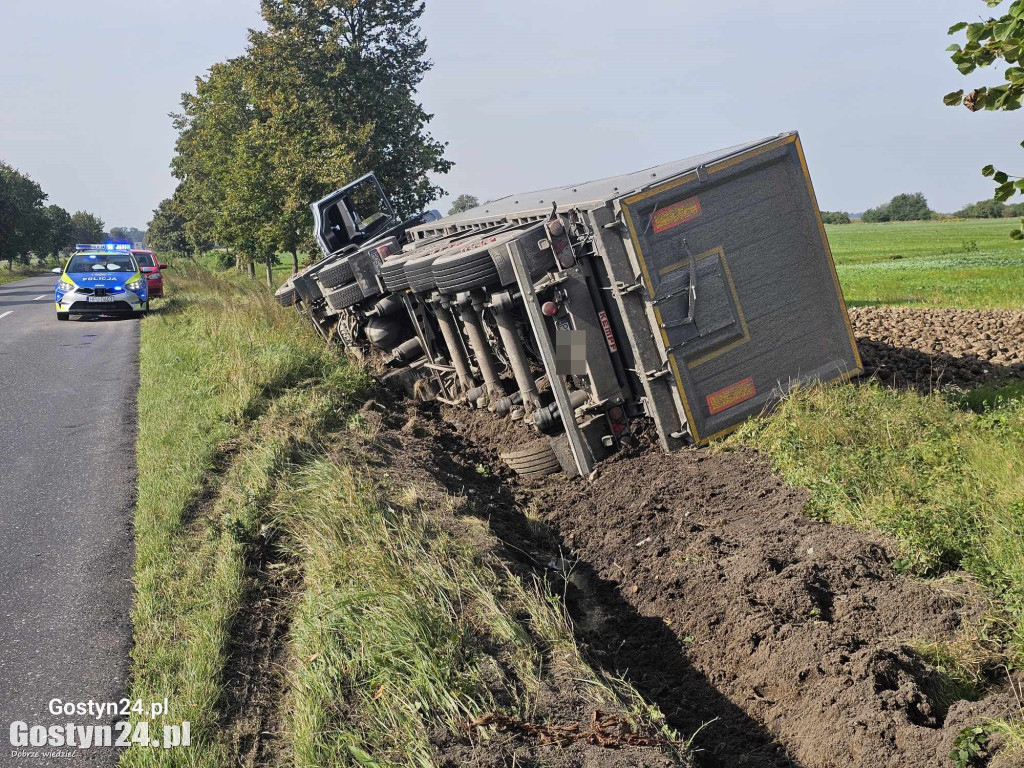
(694, 294)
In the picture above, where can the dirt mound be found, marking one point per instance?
(929, 348)
(803, 626)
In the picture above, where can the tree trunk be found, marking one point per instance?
(295, 261)
(270, 275)
(251, 266)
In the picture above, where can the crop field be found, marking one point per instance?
(939, 263)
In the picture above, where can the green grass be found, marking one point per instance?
(938, 263)
(19, 273)
(401, 622)
(214, 358)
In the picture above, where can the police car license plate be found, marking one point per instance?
(102, 298)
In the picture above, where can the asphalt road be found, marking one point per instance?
(67, 485)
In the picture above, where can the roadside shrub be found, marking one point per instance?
(835, 217)
(217, 260)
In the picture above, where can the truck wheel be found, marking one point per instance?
(345, 297)
(464, 271)
(535, 460)
(336, 274)
(285, 296)
(420, 274)
(392, 272)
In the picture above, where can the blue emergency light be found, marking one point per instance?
(112, 247)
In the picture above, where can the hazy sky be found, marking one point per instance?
(533, 93)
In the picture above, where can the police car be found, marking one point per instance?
(101, 280)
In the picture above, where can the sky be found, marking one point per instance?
(534, 93)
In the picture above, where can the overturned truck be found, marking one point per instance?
(689, 296)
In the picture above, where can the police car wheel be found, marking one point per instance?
(63, 315)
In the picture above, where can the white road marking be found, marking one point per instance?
(37, 298)
(5, 314)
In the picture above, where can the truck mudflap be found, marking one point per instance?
(741, 288)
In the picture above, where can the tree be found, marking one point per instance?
(166, 230)
(129, 234)
(984, 209)
(23, 223)
(988, 41)
(59, 236)
(463, 203)
(835, 217)
(905, 207)
(323, 94)
(355, 65)
(86, 228)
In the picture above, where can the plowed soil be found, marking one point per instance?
(698, 578)
(933, 348)
(803, 626)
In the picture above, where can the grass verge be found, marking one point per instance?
(392, 624)
(19, 273)
(944, 479)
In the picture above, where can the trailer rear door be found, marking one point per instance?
(762, 309)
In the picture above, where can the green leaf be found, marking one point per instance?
(1000, 177)
(1004, 29)
(957, 27)
(953, 99)
(1004, 192)
(988, 170)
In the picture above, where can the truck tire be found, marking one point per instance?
(347, 296)
(464, 271)
(536, 459)
(392, 272)
(286, 296)
(420, 274)
(335, 275)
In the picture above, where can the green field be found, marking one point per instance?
(938, 263)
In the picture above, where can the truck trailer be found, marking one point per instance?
(689, 296)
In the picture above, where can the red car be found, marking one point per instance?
(151, 269)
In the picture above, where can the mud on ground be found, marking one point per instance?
(929, 348)
(697, 577)
(405, 444)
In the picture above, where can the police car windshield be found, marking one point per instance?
(91, 262)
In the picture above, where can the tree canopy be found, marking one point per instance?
(326, 92)
(463, 203)
(904, 207)
(86, 228)
(835, 217)
(988, 41)
(23, 222)
(166, 230)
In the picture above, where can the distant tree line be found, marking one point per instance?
(29, 228)
(835, 217)
(990, 209)
(324, 93)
